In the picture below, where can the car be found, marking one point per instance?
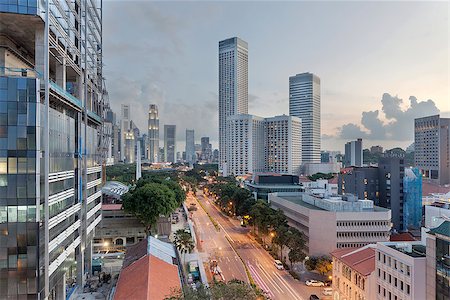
(278, 264)
(327, 291)
(314, 297)
(314, 283)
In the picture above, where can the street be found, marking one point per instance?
(277, 284)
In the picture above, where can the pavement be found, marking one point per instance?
(277, 284)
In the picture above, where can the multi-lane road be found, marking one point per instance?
(277, 284)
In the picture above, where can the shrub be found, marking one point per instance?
(294, 275)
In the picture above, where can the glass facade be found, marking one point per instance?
(442, 269)
(26, 7)
(19, 234)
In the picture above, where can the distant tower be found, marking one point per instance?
(153, 133)
(304, 102)
(190, 146)
(169, 143)
(233, 88)
(138, 161)
(124, 127)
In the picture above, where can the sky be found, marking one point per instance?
(381, 64)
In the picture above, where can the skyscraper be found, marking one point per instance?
(304, 102)
(125, 126)
(233, 88)
(153, 133)
(353, 153)
(206, 153)
(169, 143)
(51, 113)
(190, 146)
(432, 148)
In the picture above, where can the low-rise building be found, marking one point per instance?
(353, 273)
(334, 222)
(263, 184)
(329, 167)
(400, 270)
(321, 187)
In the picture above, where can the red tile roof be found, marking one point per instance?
(362, 260)
(135, 252)
(402, 237)
(148, 278)
(111, 206)
(433, 188)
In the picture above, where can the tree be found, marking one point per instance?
(296, 255)
(148, 202)
(324, 265)
(183, 242)
(311, 263)
(282, 237)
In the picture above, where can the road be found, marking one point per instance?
(213, 244)
(278, 284)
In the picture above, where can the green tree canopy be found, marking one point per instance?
(148, 202)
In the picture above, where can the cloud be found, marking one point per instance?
(398, 123)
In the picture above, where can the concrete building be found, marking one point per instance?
(153, 133)
(376, 150)
(391, 171)
(125, 126)
(283, 144)
(233, 89)
(360, 181)
(304, 102)
(191, 156)
(432, 148)
(353, 154)
(169, 143)
(412, 199)
(438, 262)
(400, 270)
(320, 187)
(353, 273)
(245, 144)
(51, 112)
(332, 223)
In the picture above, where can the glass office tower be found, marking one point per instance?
(51, 112)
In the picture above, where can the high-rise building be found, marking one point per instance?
(153, 133)
(304, 102)
(432, 148)
(191, 157)
(233, 89)
(125, 126)
(245, 152)
(206, 154)
(51, 113)
(412, 203)
(264, 144)
(353, 154)
(130, 147)
(283, 144)
(169, 143)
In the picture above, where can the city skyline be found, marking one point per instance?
(357, 64)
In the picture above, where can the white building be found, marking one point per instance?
(353, 154)
(400, 270)
(432, 148)
(334, 222)
(353, 273)
(233, 89)
(304, 102)
(321, 187)
(283, 149)
(245, 144)
(436, 214)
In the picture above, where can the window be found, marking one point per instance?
(408, 289)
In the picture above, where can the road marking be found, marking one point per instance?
(226, 233)
(271, 280)
(288, 287)
(259, 280)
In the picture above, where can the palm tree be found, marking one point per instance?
(183, 242)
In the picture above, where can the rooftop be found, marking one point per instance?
(443, 229)
(361, 260)
(114, 188)
(413, 249)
